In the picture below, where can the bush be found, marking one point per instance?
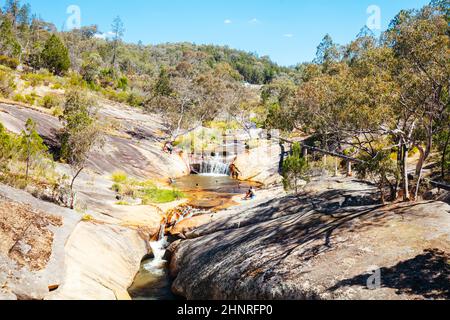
(38, 79)
(58, 111)
(57, 86)
(12, 63)
(122, 203)
(19, 98)
(51, 101)
(111, 94)
(31, 98)
(7, 84)
(119, 177)
(55, 56)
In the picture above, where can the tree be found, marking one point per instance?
(91, 67)
(295, 169)
(7, 147)
(421, 44)
(55, 56)
(379, 167)
(118, 30)
(327, 52)
(81, 133)
(31, 146)
(9, 45)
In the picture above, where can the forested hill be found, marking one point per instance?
(249, 67)
(23, 37)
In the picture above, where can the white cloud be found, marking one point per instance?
(228, 21)
(288, 35)
(105, 35)
(254, 21)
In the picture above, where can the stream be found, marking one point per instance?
(206, 193)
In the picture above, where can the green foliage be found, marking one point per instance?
(119, 177)
(55, 56)
(7, 84)
(9, 45)
(379, 168)
(11, 63)
(295, 169)
(91, 67)
(122, 83)
(147, 191)
(51, 101)
(20, 98)
(155, 195)
(81, 132)
(31, 145)
(7, 147)
(38, 79)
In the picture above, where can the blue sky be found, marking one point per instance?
(286, 30)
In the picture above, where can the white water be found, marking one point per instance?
(215, 166)
(159, 247)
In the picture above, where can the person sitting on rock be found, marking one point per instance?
(168, 147)
(250, 194)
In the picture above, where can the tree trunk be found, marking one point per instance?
(382, 185)
(406, 195)
(444, 156)
(28, 161)
(72, 196)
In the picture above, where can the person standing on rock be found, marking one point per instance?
(234, 171)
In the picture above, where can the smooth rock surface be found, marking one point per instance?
(260, 164)
(300, 248)
(32, 238)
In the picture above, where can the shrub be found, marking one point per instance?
(116, 187)
(122, 83)
(50, 101)
(31, 98)
(19, 98)
(122, 203)
(119, 177)
(12, 63)
(56, 55)
(295, 169)
(87, 218)
(7, 84)
(38, 79)
(58, 111)
(57, 86)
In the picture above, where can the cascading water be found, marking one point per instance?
(159, 247)
(215, 165)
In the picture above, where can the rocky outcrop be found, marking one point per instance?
(46, 248)
(101, 262)
(32, 238)
(304, 248)
(260, 164)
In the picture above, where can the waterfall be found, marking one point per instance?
(215, 166)
(156, 266)
(159, 247)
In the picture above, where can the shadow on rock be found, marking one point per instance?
(427, 275)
